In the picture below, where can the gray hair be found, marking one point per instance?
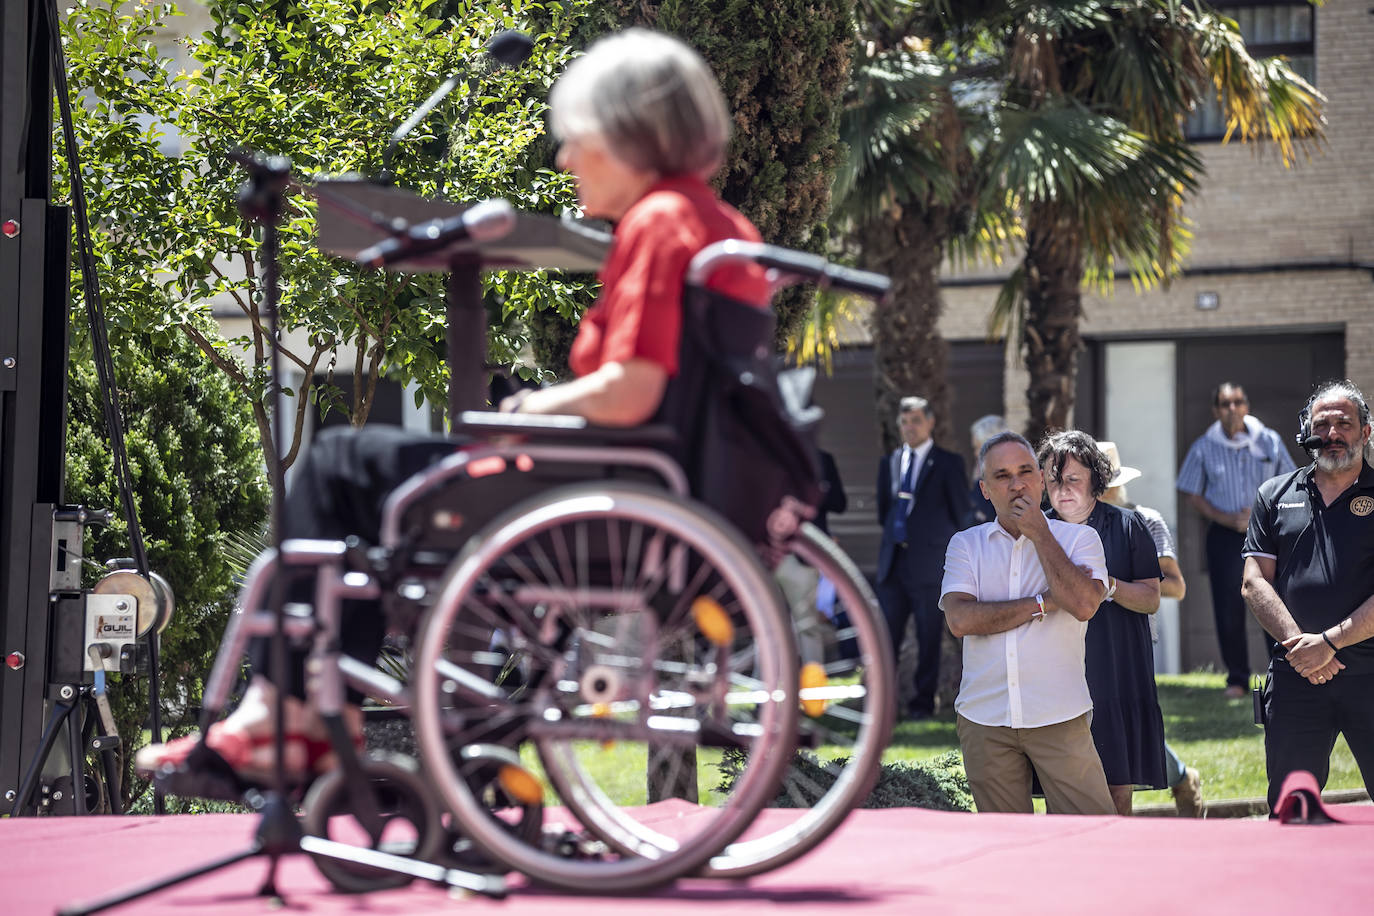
(652, 99)
(1345, 390)
(985, 427)
(1001, 439)
(910, 403)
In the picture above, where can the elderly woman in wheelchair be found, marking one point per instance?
(570, 634)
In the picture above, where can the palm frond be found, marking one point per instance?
(819, 337)
(1060, 152)
(1261, 99)
(1138, 218)
(241, 549)
(891, 132)
(1008, 311)
(1148, 69)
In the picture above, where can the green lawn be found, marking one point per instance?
(1213, 734)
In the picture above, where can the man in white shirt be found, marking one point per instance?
(1020, 590)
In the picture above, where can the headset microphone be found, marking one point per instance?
(1312, 443)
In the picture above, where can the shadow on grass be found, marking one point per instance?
(1202, 713)
(937, 734)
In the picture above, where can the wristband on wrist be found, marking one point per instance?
(1111, 588)
(1039, 612)
(1328, 641)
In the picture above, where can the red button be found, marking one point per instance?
(15, 660)
(10, 228)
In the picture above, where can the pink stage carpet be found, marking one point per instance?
(904, 861)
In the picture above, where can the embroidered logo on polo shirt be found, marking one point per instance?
(1362, 505)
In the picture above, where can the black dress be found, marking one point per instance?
(1127, 725)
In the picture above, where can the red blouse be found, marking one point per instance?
(639, 311)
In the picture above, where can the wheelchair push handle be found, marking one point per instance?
(786, 267)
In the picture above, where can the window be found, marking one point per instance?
(1282, 28)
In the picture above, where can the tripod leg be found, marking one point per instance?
(76, 749)
(279, 834)
(60, 711)
(152, 887)
(113, 789)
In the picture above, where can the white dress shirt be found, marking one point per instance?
(1030, 676)
(910, 456)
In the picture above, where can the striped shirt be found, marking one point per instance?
(1164, 547)
(1229, 477)
(1159, 532)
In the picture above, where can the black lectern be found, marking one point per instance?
(373, 212)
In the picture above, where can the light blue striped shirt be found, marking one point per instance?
(1228, 477)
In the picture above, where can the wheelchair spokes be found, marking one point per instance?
(596, 670)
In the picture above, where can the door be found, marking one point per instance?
(1278, 373)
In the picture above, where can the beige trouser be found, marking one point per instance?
(798, 583)
(998, 760)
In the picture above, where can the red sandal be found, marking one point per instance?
(248, 758)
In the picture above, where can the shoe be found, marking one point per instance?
(1235, 692)
(1188, 795)
(248, 758)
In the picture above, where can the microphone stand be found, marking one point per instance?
(279, 832)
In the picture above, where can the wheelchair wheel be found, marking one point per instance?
(846, 724)
(409, 821)
(620, 640)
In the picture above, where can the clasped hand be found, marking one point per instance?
(1312, 658)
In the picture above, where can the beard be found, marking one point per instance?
(1348, 458)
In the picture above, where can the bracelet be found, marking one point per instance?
(1112, 583)
(1328, 641)
(1039, 612)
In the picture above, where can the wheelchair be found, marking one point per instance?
(602, 676)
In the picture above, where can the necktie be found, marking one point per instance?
(901, 506)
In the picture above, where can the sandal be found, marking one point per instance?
(229, 761)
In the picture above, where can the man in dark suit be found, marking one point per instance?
(922, 500)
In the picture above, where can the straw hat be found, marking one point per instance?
(1121, 475)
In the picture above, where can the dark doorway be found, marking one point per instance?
(1278, 373)
(387, 407)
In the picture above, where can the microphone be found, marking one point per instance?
(486, 221)
(507, 47)
(1313, 443)
(510, 47)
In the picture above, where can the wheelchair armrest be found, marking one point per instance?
(483, 424)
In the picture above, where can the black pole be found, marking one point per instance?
(33, 372)
(466, 338)
(104, 366)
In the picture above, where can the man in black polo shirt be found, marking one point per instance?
(1309, 581)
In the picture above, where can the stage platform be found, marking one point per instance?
(906, 861)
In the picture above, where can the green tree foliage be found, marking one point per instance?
(199, 488)
(783, 67)
(323, 82)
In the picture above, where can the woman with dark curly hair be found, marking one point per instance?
(1127, 726)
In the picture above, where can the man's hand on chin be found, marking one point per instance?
(1028, 516)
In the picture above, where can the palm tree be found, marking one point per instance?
(903, 195)
(1092, 154)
